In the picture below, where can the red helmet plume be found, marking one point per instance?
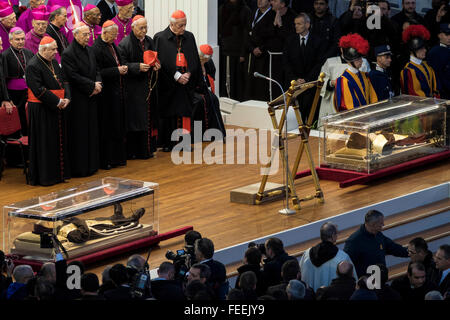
(355, 41)
(415, 31)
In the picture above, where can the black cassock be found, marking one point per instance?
(176, 99)
(206, 103)
(49, 161)
(141, 104)
(80, 68)
(14, 70)
(112, 121)
(262, 32)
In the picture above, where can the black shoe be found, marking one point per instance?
(106, 167)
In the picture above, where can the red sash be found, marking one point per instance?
(32, 98)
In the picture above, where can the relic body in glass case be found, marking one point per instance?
(85, 219)
(384, 134)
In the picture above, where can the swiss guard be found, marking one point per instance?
(353, 88)
(417, 78)
(380, 77)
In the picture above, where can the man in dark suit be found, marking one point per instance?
(414, 286)
(276, 257)
(442, 259)
(107, 9)
(119, 276)
(204, 251)
(303, 58)
(165, 287)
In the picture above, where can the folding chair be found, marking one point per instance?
(9, 124)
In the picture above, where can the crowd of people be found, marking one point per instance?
(366, 53)
(92, 92)
(324, 272)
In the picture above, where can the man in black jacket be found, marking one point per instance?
(414, 286)
(204, 251)
(442, 259)
(233, 24)
(303, 57)
(276, 257)
(119, 276)
(165, 287)
(107, 9)
(252, 262)
(180, 74)
(408, 14)
(368, 246)
(325, 26)
(418, 252)
(260, 36)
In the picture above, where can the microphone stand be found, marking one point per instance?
(287, 210)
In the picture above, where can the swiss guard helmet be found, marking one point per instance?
(353, 47)
(415, 36)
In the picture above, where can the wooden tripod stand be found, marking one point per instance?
(293, 92)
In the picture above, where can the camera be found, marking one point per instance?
(261, 247)
(140, 283)
(183, 259)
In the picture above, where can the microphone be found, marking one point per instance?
(259, 75)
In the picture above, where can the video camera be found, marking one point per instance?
(140, 281)
(183, 259)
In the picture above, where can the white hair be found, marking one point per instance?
(17, 32)
(76, 30)
(115, 26)
(134, 23)
(173, 20)
(23, 273)
(203, 55)
(45, 46)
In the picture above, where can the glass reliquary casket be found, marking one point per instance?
(384, 134)
(82, 220)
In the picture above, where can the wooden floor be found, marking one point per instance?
(198, 195)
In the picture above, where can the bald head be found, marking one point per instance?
(136, 261)
(344, 269)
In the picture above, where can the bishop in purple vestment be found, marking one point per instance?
(25, 19)
(7, 22)
(123, 19)
(92, 17)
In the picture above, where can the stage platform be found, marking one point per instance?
(199, 195)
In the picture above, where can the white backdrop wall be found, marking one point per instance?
(201, 21)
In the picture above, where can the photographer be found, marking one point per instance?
(139, 276)
(184, 258)
(204, 251)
